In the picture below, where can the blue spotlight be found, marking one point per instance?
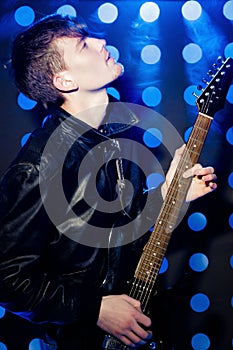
(200, 341)
(2, 312)
(228, 10)
(230, 94)
(164, 266)
(191, 10)
(230, 180)
(25, 103)
(35, 344)
(197, 221)
(192, 53)
(44, 120)
(151, 96)
(200, 302)
(67, 10)
(150, 54)
(25, 138)
(230, 220)
(198, 262)
(187, 133)
(228, 51)
(154, 180)
(113, 52)
(231, 261)
(107, 12)
(188, 95)
(24, 16)
(2, 346)
(152, 137)
(149, 11)
(112, 91)
(229, 135)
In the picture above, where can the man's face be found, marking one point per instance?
(88, 62)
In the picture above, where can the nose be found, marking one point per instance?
(98, 44)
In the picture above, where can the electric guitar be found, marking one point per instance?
(210, 101)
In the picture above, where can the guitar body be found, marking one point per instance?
(210, 101)
(111, 343)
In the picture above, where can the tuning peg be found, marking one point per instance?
(195, 95)
(210, 73)
(205, 81)
(220, 59)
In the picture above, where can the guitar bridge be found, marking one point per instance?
(111, 343)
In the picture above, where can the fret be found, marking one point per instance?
(154, 251)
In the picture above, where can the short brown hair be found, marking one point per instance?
(36, 58)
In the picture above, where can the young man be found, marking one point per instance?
(65, 199)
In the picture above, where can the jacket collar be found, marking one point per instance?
(119, 117)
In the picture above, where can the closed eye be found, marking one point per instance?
(81, 44)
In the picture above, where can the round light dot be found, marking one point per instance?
(198, 262)
(113, 52)
(191, 10)
(24, 16)
(3, 346)
(35, 344)
(229, 96)
(188, 95)
(154, 180)
(151, 96)
(230, 220)
(231, 261)
(192, 53)
(25, 138)
(228, 51)
(164, 266)
(228, 10)
(229, 135)
(44, 120)
(67, 10)
(200, 341)
(187, 133)
(230, 180)
(152, 137)
(107, 13)
(112, 91)
(199, 302)
(150, 54)
(149, 11)
(2, 312)
(25, 103)
(197, 221)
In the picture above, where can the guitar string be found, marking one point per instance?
(203, 132)
(146, 285)
(195, 140)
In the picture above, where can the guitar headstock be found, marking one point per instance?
(213, 97)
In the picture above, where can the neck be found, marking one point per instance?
(88, 106)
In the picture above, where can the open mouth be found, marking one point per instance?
(108, 56)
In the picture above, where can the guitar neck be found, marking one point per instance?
(209, 102)
(155, 249)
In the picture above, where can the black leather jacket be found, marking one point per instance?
(59, 253)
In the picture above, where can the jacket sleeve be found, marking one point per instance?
(28, 284)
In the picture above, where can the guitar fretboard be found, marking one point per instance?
(155, 249)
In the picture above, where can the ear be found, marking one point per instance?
(64, 82)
